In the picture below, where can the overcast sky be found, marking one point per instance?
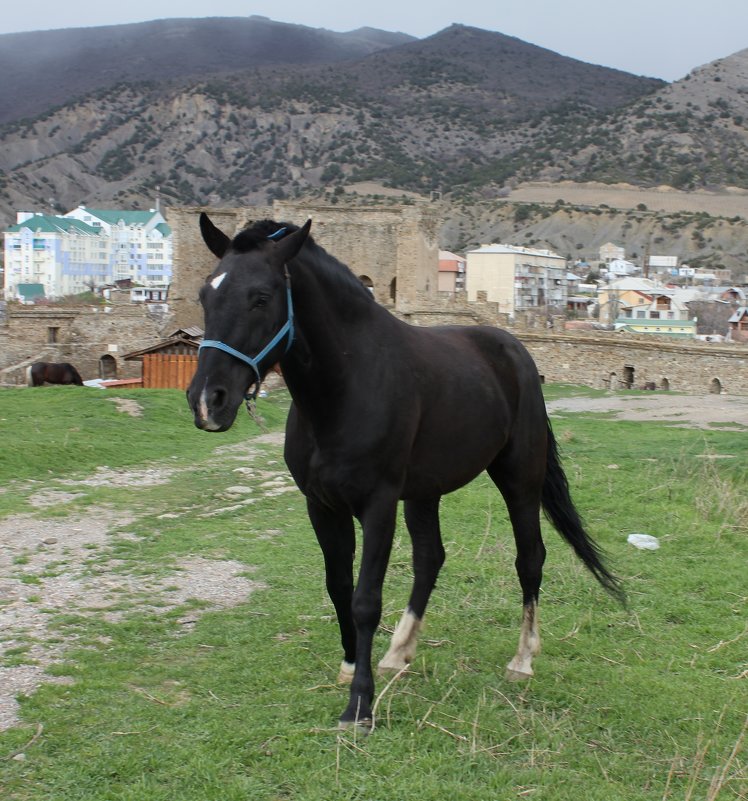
(660, 38)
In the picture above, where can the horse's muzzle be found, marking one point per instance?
(212, 409)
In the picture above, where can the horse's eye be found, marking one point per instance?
(261, 301)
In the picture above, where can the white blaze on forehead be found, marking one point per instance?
(218, 280)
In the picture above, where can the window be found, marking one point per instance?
(52, 335)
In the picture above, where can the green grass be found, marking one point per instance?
(643, 703)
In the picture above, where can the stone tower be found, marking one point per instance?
(393, 249)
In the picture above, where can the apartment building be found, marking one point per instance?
(86, 248)
(517, 278)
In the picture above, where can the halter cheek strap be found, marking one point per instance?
(254, 361)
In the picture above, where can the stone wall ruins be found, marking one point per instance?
(386, 244)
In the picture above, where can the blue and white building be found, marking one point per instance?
(85, 249)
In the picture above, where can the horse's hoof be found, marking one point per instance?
(389, 667)
(345, 674)
(516, 675)
(364, 726)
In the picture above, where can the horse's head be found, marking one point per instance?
(248, 317)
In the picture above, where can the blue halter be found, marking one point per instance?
(254, 362)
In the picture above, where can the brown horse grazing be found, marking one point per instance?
(52, 373)
(382, 412)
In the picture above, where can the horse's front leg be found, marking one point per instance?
(337, 538)
(378, 524)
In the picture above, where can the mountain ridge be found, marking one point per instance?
(65, 64)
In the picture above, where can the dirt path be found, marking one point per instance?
(66, 565)
(691, 411)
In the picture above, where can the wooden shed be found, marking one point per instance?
(171, 363)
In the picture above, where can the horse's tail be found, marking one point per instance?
(560, 510)
(29, 379)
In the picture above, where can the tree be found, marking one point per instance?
(711, 315)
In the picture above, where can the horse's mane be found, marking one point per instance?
(324, 265)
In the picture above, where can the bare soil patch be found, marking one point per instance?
(725, 203)
(127, 406)
(52, 567)
(690, 411)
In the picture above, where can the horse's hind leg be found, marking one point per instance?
(422, 520)
(522, 496)
(337, 538)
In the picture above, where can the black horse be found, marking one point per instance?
(52, 373)
(382, 411)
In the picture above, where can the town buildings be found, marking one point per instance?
(517, 278)
(85, 249)
(451, 272)
(642, 306)
(738, 323)
(610, 251)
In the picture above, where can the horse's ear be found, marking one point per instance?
(217, 242)
(290, 245)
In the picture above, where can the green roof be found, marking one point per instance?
(163, 229)
(30, 290)
(113, 217)
(52, 224)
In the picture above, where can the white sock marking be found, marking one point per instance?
(345, 674)
(529, 643)
(402, 649)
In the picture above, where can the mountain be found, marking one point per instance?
(460, 111)
(689, 134)
(697, 238)
(45, 69)
(500, 75)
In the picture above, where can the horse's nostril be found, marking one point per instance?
(217, 398)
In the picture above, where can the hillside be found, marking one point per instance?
(689, 134)
(695, 237)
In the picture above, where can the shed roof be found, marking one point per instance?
(186, 337)
(192, 331)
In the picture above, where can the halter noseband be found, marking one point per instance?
(286, 330)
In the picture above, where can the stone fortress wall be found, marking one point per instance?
(80, 335)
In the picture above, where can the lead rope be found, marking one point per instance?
(251, 403)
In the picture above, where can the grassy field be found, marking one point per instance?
(195, 702)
